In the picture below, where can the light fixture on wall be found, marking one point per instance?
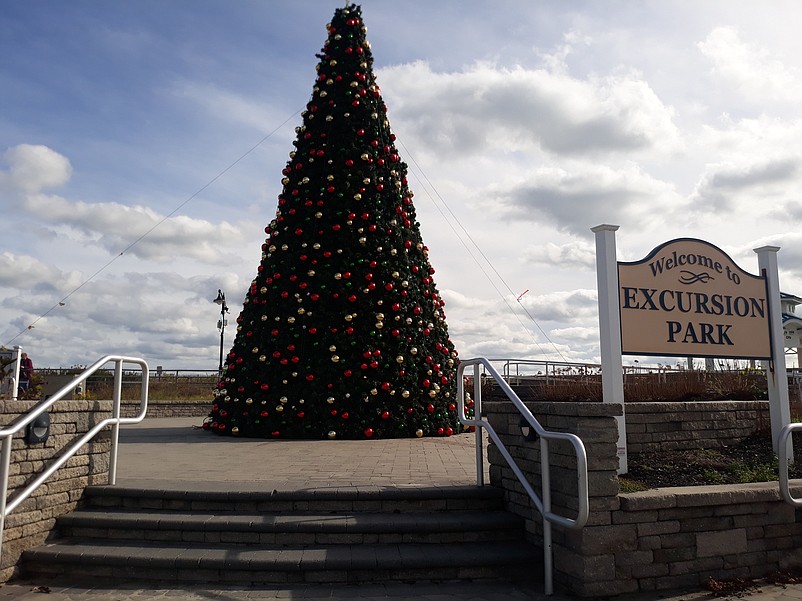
(527, 431)
(38, 431)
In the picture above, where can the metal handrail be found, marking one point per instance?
(7, 433)
(783, 448)
(543, 505)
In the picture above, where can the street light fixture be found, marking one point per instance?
(221, 300)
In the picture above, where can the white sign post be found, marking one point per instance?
(610, 331)
(776, 375)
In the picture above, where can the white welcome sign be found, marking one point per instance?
(688, 298)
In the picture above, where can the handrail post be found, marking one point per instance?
(115, 414)
(543, 505)
(784, 445)
(545, 491)
(477, 408)
(15, 383)
(5, 465)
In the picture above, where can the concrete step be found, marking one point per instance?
(303, 528)
(88, 560)
(310, 536)
(411, 499)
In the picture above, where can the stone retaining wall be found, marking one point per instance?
(655, 427)
(676, 537)
(164, 408)
(653, 540)
(30, 524)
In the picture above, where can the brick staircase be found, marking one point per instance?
(350, 535)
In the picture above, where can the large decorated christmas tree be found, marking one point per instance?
(342, 333)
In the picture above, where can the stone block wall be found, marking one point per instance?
(30, 524)
(653, 540)
(655, 427)
(581, 557)
(682, 536)
(199, 408)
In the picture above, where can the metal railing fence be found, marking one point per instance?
(543, 504)
(7, 433)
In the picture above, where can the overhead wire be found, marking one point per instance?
(467, 234)
(147, 233)
(426, 184)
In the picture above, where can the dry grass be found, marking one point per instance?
(175, 389)
(666, 386)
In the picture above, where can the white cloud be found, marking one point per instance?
(115, 227)
(576, 333)
(572, 255)
(576, 200)
(517, 109)
(789, 257)
(561, 306)
(753, 70)
(21, 271)
(753, 183)
(33, 167)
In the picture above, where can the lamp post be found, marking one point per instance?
(221, 300)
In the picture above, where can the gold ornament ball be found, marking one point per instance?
(419, 433)
(332, 434)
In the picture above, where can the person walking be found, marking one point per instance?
(25, 373)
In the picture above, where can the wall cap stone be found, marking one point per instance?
(704, 496)
(568, 408)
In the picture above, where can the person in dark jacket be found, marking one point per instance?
(25, 372)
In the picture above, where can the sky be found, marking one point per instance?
(142, 143)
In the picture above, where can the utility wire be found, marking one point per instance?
(483, 255)
(454, 219)
(153, 228)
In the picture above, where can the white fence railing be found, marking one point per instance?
(543, 504)
(7, 433)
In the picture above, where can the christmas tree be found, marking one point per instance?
(342, 333)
